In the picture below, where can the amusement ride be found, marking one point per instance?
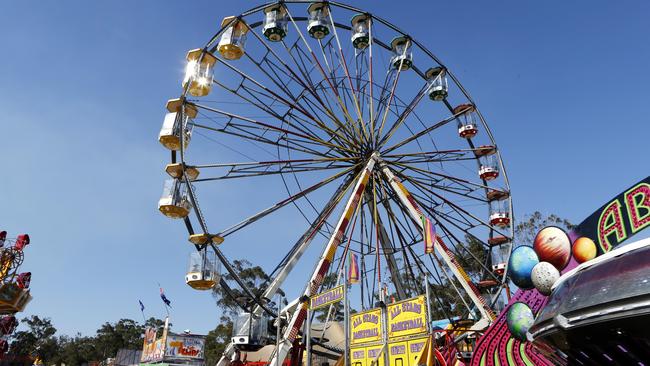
(14, 285)
(371, 140)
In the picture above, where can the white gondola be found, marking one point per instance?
(319, 22)
(275, 23)
(500, 213)
(204, 271)
(489, 168)
(437, 83)
(174, 202)
(233, 38)
(360, 31)
(467, 120)
(402, 53)
(199, 72)
(250, 332)
(176, 123)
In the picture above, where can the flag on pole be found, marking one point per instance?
(164, 298)
(353, 269)
(141, 305)
(429, 235)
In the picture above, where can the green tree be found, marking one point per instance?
(38, 340)
(125, 333)
(252, 276)
(527, 229)
(217, 339)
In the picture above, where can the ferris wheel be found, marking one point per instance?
(340, 116)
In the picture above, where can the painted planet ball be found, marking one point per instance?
(519, 319)
(552, 245)
(584, 249)
(520, 266)
(544, 276)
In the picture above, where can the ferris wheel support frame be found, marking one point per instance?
(487, 316)
(302, 244)
(387, 247)
(299, 315)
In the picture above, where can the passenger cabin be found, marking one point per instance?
(437, 83)
(21, 242)
(199, 72)
(500, 213)
(467, 120)
(203, 272)
(275, 23)
(176, 123)
(175, 202)
(360, 31)
(8, 324)
(318, 25)
(13, 299)
(489, 168)
(24, 279)
(233, 38)
(402, 58)
(250, 332)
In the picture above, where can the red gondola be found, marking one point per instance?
(24, 279)
(22, 241)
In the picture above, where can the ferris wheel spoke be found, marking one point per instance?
(392, 91)
(268, 126)
(465, 183)
(264, 173)
(333, 83)
(402, 117)
(347, 74)
(455, 206)
(324, 75)
(283, 203)
(278, 97)
(262, 105)
(257, 164)
(285, 89)
(263, 140)
(291, 74)
(421, 133)
(324, 103)
(450, 234)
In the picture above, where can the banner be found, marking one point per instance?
(185, 347)
(153, 352)
(365, 327)
(326, 298)
(619, 219)
(353, 269)
(407, 317)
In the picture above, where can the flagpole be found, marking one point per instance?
(346, 316)
(308, 335)
(142, 312)
(426, 286)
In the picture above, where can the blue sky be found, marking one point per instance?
(563, 85)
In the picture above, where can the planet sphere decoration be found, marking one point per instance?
(553, 245)
(544, 276)
(519, 319)
(584, 249)
(520, 266)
